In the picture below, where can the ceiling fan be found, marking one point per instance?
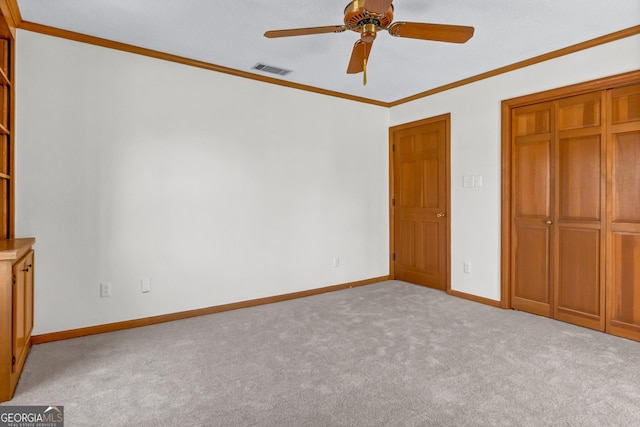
(367, 17)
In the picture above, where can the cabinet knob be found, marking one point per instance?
(548, 222)
(441, 215)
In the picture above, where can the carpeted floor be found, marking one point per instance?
(388, 354)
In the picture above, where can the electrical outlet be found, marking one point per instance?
(146, 285)
(105, 290)
(336, 262)
(467, 267)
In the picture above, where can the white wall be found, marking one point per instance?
(218, 188)
(223, 189)
(475, 149)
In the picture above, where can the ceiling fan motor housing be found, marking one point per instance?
(360, 20)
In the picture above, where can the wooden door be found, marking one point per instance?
(28, 296)
(580, 170)
(558, 207)
(532, 198)
(572, 163)
(22, 309)
(623, 243)
(421, 199)
(19, 313)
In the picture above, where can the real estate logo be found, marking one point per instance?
(31, 416)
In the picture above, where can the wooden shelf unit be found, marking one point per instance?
(16, 255)
(7, 124)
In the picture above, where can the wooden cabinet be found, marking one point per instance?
(16, 310)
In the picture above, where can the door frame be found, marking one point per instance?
(507, 107)
(447, 119)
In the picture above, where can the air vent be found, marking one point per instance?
(271, 69)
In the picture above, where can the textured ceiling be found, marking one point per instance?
(229, 33)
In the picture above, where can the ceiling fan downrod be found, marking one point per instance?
(364, 72)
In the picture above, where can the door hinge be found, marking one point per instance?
(393, 147)
(393, 203)
(13, 278)
(13, 360)
(393, 256)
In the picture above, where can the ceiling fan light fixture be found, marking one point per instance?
(369, 32)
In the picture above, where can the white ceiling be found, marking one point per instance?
(229, 33)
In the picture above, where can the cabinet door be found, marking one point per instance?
(28, 297)
(22, 309)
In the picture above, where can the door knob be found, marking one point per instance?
(441, 215)
(548, 222)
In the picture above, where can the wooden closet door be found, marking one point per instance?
(578, 263)
(623, 243)
(532, 208)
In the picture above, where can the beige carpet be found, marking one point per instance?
(388, 354)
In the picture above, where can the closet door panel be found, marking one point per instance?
(625, 104)
(626, 177)
(580, 111)
(579, 292)
(532, 196)
(580, 178)
(579, 297)
(624, 255)
(532, 173)
(531, 288)
(623, 292)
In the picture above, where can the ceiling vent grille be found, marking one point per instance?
(271, 69)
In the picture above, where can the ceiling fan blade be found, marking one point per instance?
(305, 31)
(360, 53)
(436, 32)
(377, 6)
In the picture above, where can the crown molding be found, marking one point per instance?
(628, 32)
(83, 38)
(97, 41)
